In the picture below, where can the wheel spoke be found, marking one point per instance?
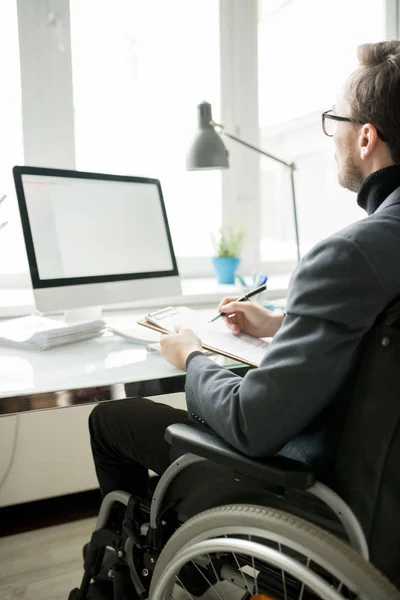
(207, 580)
(240, 569)
(254, 570)
(283, 575)
(181, 584)
(302, 586)
(216, 576)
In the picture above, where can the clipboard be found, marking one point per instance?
(161, 321)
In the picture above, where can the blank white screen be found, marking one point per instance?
(86, 227)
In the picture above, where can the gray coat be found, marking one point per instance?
(335, 294)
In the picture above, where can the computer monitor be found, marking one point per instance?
(94, 239)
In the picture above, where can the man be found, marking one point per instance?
(289, 404)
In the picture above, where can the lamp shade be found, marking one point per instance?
(207, 150)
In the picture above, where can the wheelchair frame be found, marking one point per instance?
(324, 493)
(183, 435)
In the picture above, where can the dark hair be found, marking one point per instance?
(374, 91)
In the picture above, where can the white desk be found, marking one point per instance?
(104, 368)
(46, 452)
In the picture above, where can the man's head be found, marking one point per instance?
(371, 99)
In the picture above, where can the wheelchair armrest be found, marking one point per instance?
(273, 471)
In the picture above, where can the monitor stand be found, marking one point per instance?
(89, 313)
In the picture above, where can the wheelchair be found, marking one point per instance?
(235, 527)
(213, 523)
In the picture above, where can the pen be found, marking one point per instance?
(242, 299)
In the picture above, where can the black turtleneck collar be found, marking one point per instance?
(377, 187)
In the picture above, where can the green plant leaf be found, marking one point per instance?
(229, 242)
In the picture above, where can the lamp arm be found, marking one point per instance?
(283, 162)
(292, 168)
(240, 141)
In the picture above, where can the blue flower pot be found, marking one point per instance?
(225, 268)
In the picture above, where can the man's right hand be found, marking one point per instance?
(250, 317)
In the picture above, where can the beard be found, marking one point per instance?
(350, 176)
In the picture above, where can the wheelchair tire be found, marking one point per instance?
(332, 554)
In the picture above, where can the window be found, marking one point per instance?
(12, 254)
(139, 71)
(306, 50)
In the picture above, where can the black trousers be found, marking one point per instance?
(127, 439)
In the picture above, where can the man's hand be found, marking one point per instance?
(176, 347)
(250, 317)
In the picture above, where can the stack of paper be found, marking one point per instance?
(35, 332)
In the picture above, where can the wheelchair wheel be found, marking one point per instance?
(269, 554)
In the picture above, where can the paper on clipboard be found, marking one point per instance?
(214, 336)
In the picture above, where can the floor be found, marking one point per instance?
(46, 563)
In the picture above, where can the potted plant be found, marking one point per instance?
(228, 245)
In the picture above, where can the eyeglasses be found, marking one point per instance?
(330, 121)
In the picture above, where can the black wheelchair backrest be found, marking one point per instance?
(367, 470)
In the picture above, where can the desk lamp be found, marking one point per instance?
(209, 152)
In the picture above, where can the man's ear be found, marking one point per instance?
(367, 140)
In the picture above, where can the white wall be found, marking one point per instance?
(52, 455)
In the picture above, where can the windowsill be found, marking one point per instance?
(18, 302)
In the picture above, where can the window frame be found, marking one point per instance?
(392, 19)
(48, 113)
